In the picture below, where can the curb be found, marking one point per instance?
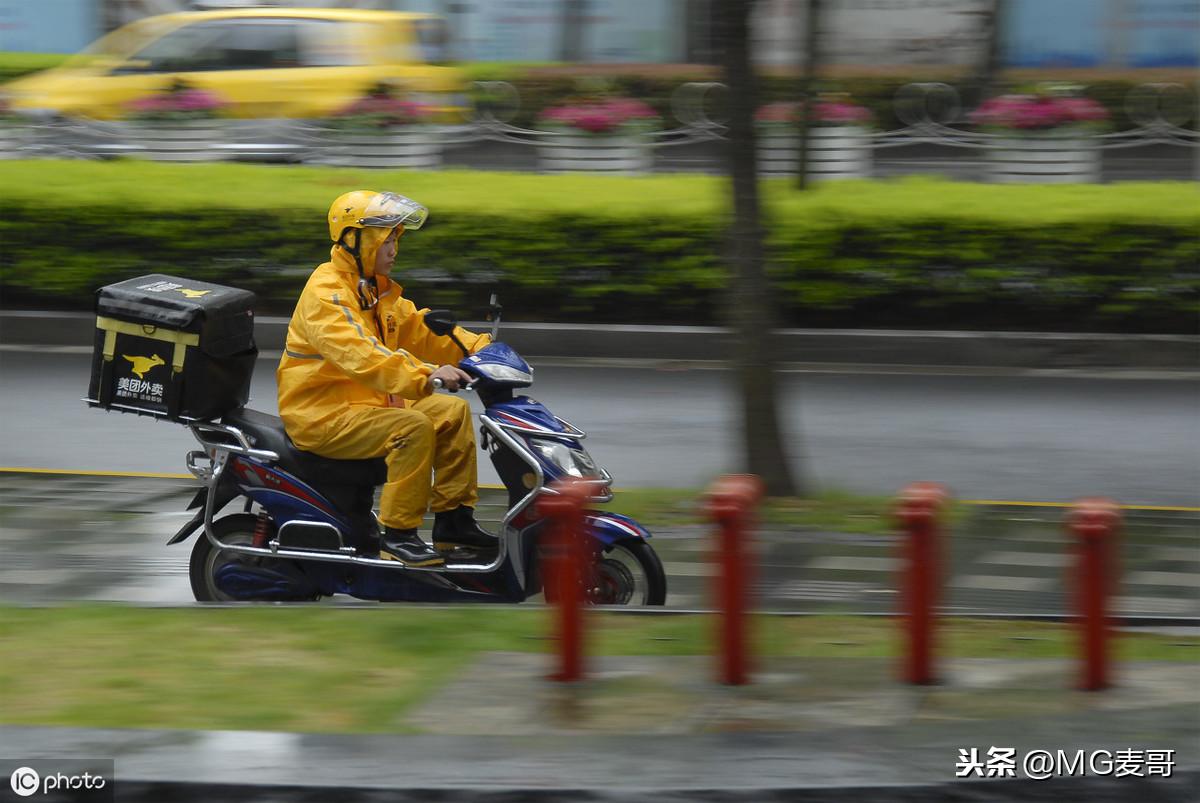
(1023, 790)
(952, 349)
(841, 764)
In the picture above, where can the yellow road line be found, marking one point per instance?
(163, 476)
(1010, 503)
(69, 473)
(131, 474)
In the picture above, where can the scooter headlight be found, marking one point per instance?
(503, 373)
(575, 462)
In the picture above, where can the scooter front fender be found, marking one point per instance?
(609, 528)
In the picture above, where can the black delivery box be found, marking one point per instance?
(172, 348)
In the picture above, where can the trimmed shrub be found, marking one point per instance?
(917, 253)
(16, 65)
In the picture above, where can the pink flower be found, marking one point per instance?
(1083, 109)
(600, 116)
(824, 113)
(781, 112)
(596, 122)
(1037, 113)
(381, 110)
(841, 113)
(177, 102)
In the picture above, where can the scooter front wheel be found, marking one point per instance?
(628, 573)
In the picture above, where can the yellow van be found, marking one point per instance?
(265, 62)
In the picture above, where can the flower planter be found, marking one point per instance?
(12, 137)
(412, 147)
(182, 141)
(1043, 159)
(835, 152)
(594, 153)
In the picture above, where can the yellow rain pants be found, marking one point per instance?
(430, 436)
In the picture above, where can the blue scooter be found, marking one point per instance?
(307, 529)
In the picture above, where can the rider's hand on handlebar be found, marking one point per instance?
(450, 377)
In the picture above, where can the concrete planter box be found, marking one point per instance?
(1044, 159)
(183, 141)
(411, 147)
(594, 153)
(835, 152)
(12, 137)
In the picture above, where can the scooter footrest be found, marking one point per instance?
(315, 539)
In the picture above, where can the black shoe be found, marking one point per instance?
(453, 528)
(407, 547)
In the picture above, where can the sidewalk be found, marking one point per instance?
(659, 729)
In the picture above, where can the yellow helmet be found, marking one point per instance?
(362, 208)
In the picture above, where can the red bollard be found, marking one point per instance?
(1095, 523)
(567, 571)
(729, 502)
(917, 509)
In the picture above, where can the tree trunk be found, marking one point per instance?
(808, 85)
(992, 54)
(750, 299)
(571, 45)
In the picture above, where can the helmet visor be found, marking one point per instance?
(388, 210)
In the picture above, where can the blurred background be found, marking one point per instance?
(1110, 34)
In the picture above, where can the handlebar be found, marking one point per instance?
(438, 384)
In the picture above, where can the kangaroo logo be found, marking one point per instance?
(194, 293)
(143, 364)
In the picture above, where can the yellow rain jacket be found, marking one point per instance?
(338, 355)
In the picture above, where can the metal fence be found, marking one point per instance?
(931, 113)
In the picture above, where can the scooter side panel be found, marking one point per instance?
(284, 496)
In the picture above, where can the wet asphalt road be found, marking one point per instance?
(1031, 437)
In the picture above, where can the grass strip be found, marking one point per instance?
(321, 669)
(825, 510)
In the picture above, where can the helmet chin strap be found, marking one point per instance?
(364, 301)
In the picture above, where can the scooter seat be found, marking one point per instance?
(267, 432)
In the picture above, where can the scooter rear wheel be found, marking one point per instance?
(207, 559)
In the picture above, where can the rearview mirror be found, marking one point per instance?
(441, 321)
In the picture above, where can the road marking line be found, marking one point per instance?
(1185, 579)
(996, 582)
(1050, 560)
(682, 569)
(1158, 605)
(854, 564)
(1178, 553)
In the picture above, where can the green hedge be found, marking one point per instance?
(913, 253)
(15, 65)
